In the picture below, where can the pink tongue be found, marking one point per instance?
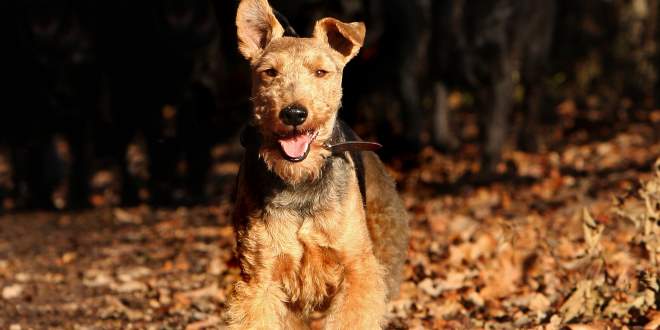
(296, 146)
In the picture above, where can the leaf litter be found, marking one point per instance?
(571, 241)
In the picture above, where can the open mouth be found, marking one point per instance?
(295, 146)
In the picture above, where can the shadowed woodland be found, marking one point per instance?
(523, 136)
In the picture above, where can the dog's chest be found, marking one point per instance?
(301, 237)
(308, 271)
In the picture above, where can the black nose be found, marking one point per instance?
(293, 115)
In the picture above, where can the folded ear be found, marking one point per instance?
(345, 38)
(257, 27)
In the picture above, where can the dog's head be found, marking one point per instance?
(296, 86)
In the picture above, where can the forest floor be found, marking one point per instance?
(568, 238)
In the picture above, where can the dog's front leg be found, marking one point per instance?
(360, 303)
(260, 306)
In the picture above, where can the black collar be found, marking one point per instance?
(344, 139)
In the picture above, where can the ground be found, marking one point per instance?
(568, 237)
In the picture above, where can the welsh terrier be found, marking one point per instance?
(319, 226)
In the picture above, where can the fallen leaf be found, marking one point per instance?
(12, 291)
(211, 321)
(654, 321)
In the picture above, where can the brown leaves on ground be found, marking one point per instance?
(132, 269)
(569, 241)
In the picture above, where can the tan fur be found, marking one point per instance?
(304, 241)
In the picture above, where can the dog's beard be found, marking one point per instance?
(306, 170)
(307, 150)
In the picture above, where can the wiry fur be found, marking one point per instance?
(305, 240)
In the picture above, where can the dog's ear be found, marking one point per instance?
(257, 27)
(345, 38)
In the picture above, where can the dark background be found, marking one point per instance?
(523, 136)
(125, 102)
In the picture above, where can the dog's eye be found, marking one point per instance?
(271, 72)
(320, 73)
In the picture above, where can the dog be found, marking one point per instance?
(319, 225)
